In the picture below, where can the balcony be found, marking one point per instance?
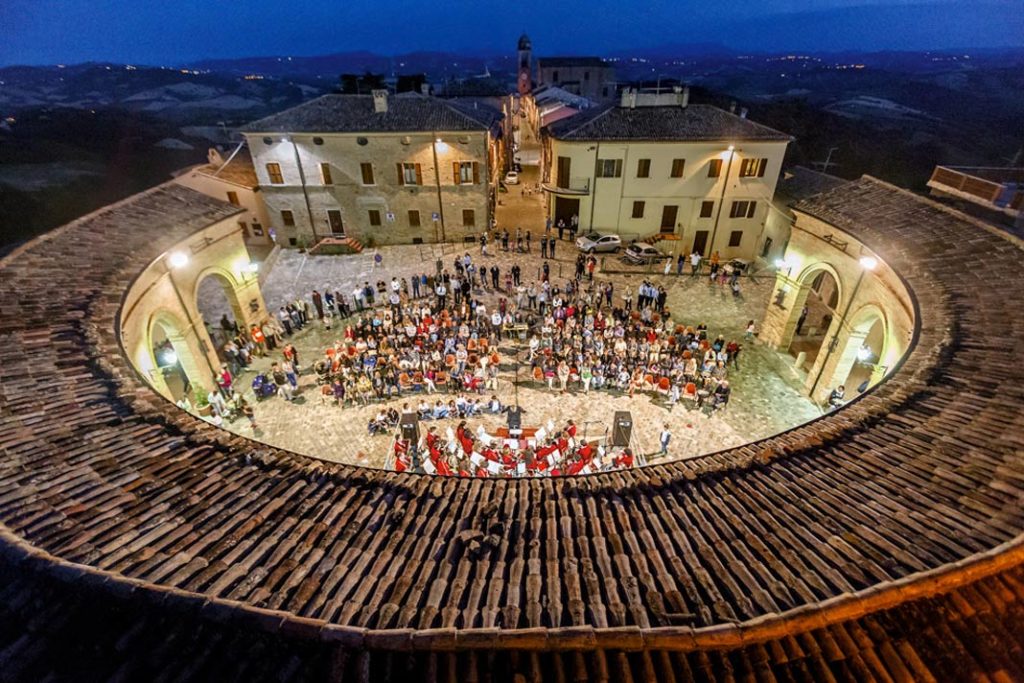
(578, 187)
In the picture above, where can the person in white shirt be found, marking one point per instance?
(666, 436)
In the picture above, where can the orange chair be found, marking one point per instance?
(484, 344)
(495, 358)
(417, 380)
(648, 381)
(449, 360)
(656, 318)
(404, 382)
(687, 354)
(441, 379)
(690, 392)
(680, 329)
(471, 345)
(664, 384)
(538, 374)
(473, 359)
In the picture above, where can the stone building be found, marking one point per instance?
(379, 168)
(655, 167)
(590, 77)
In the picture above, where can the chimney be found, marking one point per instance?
(425, 89)
(684, 101)
(380, 101)
(628, 98)
(732, 107)
(743, 112)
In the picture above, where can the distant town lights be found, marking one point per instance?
(178, 259)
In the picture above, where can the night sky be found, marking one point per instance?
(170, 32)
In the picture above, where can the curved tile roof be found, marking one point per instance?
(104, 482)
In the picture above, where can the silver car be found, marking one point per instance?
(595, 242)
(641, 252)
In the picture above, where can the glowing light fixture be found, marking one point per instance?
(864, 354)
(868, 262)
(442, 146)
(169, 357)
(178, 259)
(251, 267)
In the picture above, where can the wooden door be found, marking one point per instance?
(668, 217)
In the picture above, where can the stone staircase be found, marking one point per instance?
(355, 245)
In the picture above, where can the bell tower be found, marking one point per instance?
(524, 81)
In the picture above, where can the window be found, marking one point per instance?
(742, 209)
(366, 168)
(609, 168)
(715, 168)
(288, 218)
(554, 76)
(586, 75)
(468, 218)
(750, 168)
(410, 174)
(735, 237)
(638, 209)
(245, 229)
(414, 219)
(677, 167)
(374, 215)
(466, 172)
(274, 171)
(643, 168)
(257, 229)
(233, 199)
(706, 209)
(325, 174)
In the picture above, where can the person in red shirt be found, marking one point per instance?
(625, 459)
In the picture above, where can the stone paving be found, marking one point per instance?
(765, 398)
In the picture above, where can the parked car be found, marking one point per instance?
(512, 178)
(596, 242)
(641, 252)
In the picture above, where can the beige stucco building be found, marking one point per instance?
(231, 177)
(380, 168)
(654, 166)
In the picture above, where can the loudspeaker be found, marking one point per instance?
(622, 428)
(409, 423)
(515, 419)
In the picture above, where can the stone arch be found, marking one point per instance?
(805, 338)
(231, 289)
(189, 358)
(871, 326)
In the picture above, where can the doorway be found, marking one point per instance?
(334, 218)
(700, 242)
(668, 218)
(565, 209)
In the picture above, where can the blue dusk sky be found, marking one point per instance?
(170, 32)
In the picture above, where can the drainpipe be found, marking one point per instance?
(593, 191)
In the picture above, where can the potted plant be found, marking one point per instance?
(202, 405)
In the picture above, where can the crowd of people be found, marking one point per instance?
(433, 332)
(546, 452)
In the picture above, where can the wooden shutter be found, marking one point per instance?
(456, 178)
(401, 175)
(419, 175)
(760, 167)
(476, 173)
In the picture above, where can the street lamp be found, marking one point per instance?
(177, 260)
(435, 145)
(731, 151)
(867, 263)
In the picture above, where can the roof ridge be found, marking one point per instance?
(596, 115)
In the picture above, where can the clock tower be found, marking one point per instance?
(524, 82)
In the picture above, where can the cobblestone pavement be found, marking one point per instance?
(765, 397)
